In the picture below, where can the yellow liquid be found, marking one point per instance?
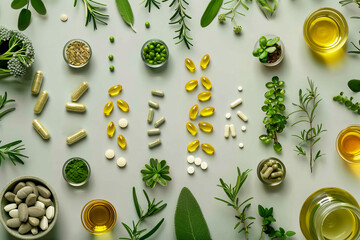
(324, 32)
(99, 216)
(351, 143)
(348, 144)
(339, 224)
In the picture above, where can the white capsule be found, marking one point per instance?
(240, 88)
(204, 165)
(228, 115)
(109, 154)
(242, 116)
(14, 213)
(236, 103)
(241, 145)
(123, 123)
(40, 204)
(197, 161)
(191, 170)
(232, 130)
(243, 128)
(10, 207)
(190, 159)
(121, 162)
(227, 131)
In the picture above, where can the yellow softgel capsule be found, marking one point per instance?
(207, 111)
(193, 112)
(193, 145)
(109, 106)
(206, 82)
(191, 85)
(121, 141)
(191, 128)
(123, 105)
(190, 64)
(206, 127)
(204, 96)
(207, 148)
(205, 61)
(115, 90)
(110, 130)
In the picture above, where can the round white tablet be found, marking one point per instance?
(204, 165)
(63, 17)
(191, 170)
(121, 162)
(190, 159)
(228, 115)
(123, 122)
(109, 154)
(241, 145)
(243, 128)
(240, 88)
(197, 161)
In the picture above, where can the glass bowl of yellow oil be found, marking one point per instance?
(98, 216)
(325, 30)
(348, 144)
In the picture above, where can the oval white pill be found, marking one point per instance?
(190, 159)
(191, 170)
(241, 145)
(123, 122)
(243, 128)
(40, 204)
(121, 162)
(197, 161)
(63, 17)
(228, 115)
(240, 88)
(14, 213)
(50, 212)
(204, 165)
(109, 154)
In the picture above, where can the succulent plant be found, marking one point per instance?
(156, 172)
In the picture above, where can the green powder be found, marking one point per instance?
(76, 171)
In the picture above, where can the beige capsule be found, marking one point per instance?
(37, 81)
(39, 127)
(79, 91)
(75, 107)
(41, 101)
(76, 137)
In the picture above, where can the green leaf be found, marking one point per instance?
(136, 203)
(262, 42)
(272, 42)
(354, 85)
(263, 57)
(257, 52)
(290, 233)
(261, 211)
(190, 223)
(39, 6)
(126, 12)
(270, 49)
(17, 4)
(210, 12)
(24, 19)
(277, 147)
(152, 231)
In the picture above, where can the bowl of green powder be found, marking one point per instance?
(76, 171)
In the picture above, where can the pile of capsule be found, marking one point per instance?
(156, 130)
(194, 110)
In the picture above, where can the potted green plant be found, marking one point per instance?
(270, 50)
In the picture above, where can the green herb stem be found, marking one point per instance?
(179, 17)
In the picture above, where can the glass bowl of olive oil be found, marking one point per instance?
(325, 30)
(348, 144)
(98, 216)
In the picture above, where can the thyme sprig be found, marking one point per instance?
(231, 13)
(240, 208)
(348, 102)
(149, 3)
(13, 152)
(308, 103)
(179, 17)
(152, 209)
(3, 102)
(93, 12)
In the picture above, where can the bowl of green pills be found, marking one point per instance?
(154, 53)
(76, 171)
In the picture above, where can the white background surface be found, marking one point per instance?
(231, 65)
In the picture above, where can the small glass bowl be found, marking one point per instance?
(154, 65)
(339, 20)
(353, 158)
(68, 180)
(66, 58)
(273, 182)
(280, 43)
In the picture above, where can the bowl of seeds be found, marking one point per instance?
(77, 53)
(154, 53)
(271, 171)
(29, 208)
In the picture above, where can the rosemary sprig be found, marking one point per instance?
(233, 202)
(93, 12)
(3, 102)
(148, 4)
(12, 152)
(152, 209)
(308, 103)
(180, 17)
(355, 51)
(231, 13)
(346, 2)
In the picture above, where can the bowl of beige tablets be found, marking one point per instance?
(29, 208)
(77, 53)
(271, 171)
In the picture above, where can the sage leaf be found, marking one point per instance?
(39, 6)
(190, 223)
(17, 4)
(210, 12)
(354, 85)
(126, 12)
(24, 19)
